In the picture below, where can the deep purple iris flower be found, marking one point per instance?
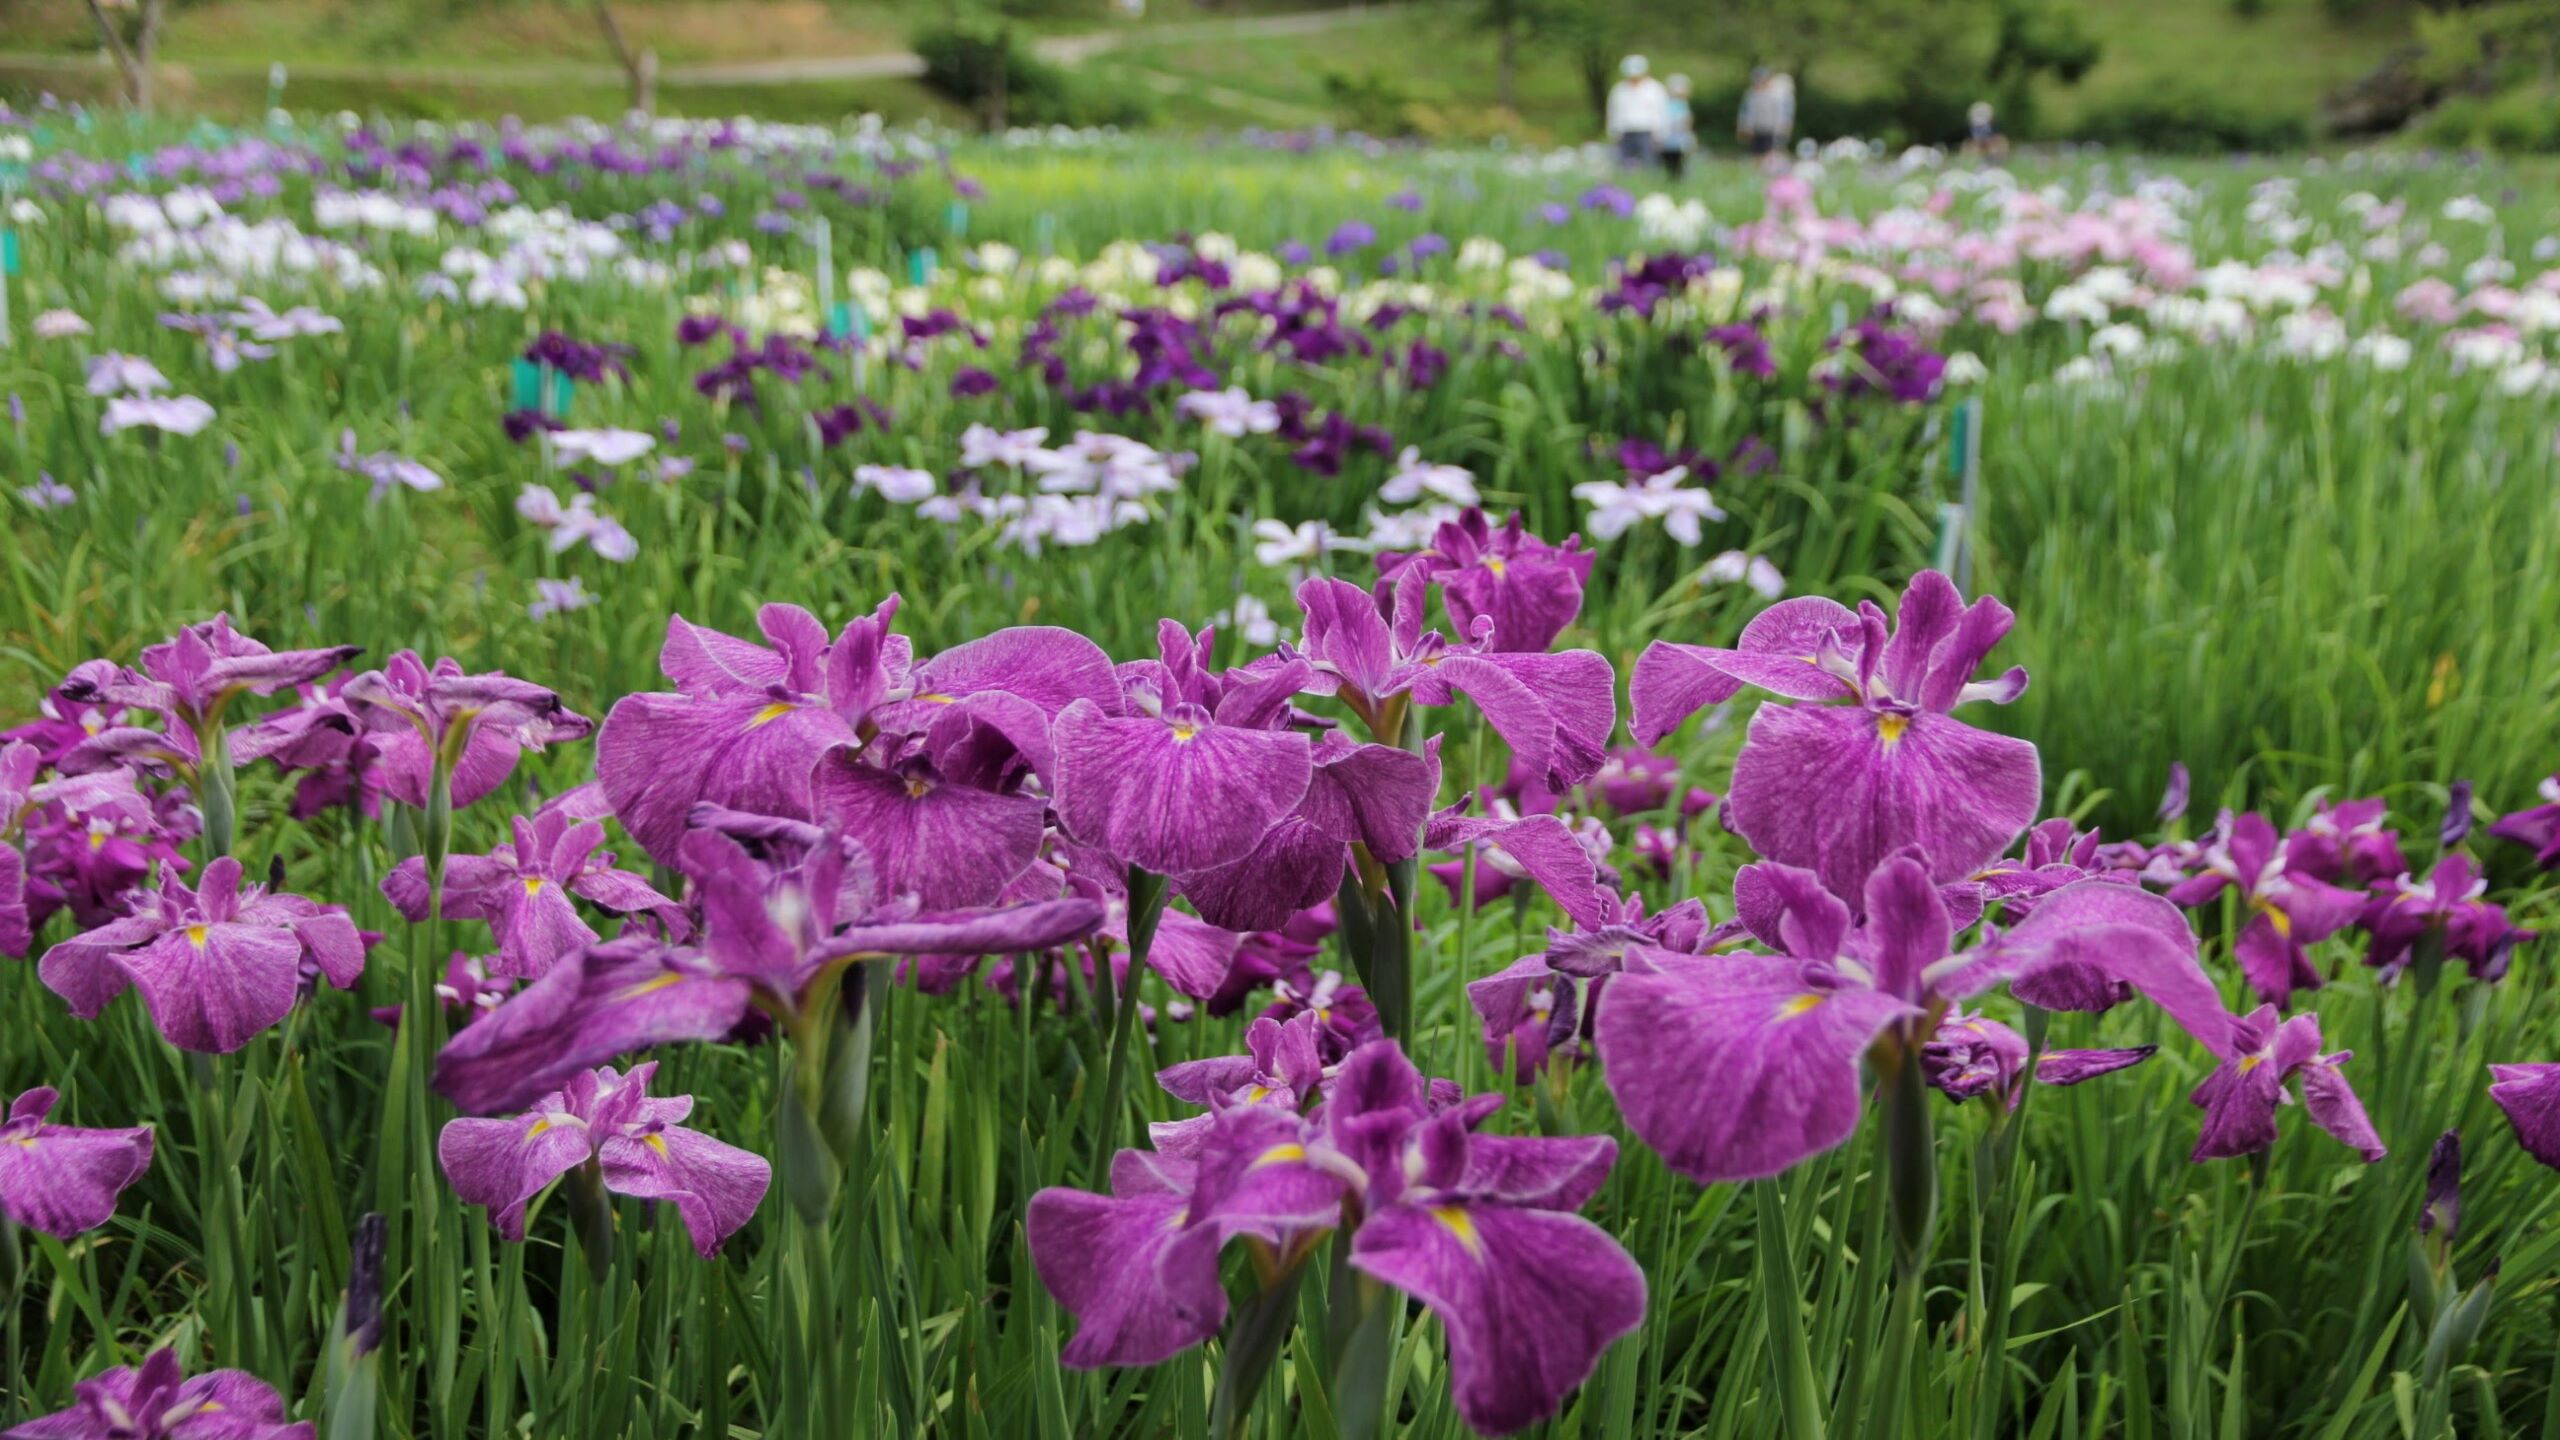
(1478, 1227)
(216, 964)
(61, 1179)
(2055, 855)
(155, 1402)
(1531, 590)
(1554, 711)
(1790, 1029)
(2260, 1056)
(472, 728)
(2347, 841)
(2289, 911)
(636, 1145)
(2449, 904)
(1838, 788)
(527, 892)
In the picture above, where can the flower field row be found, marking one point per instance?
(1326, 792)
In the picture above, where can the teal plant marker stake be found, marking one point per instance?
(956, 219)
(8, 272)
(1044, 234)
(840, 319)
(920, 266)
(1955, 517)
(527, 377)
(822, 235)
(561, 389)
(138, 166)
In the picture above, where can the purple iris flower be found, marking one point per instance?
(2536, 828)
(785, 906)
(2347, 840)
(1554, 711)
(216, 964)
(2447, 904)
(189, 680)
(1478, 1227)
(2055, 855)
(2289, 911)
(1839, 788)
(747, 724)
(633, 1144)
(1790, 1029)
(2530, 1096)
(1530, 589)
(471, 728)
(325, 740)
(1192, 770)
(60, 1179)
(1973, 1055)
(2261, 1055)
(1349, 236)
(527, 892)
(155, 1403)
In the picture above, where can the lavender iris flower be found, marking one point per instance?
(60, 1179)
(634, 1144)
(1837, 789)
(1478, 1227)
(216, 964)
(155, 1403)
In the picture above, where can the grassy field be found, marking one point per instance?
(2268, 495)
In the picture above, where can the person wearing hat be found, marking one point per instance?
(1768, 114)
(1638, 110)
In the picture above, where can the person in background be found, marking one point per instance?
(1768, 115)
(1679, 128)
(1637, 108)
(1982, 132)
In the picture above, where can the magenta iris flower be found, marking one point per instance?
(1790, 1029)
(1973, 1055)
(527, 892)
(2347, 841)
(2261, 1056)
(1478, 1227)
(156, 1402)
(60, 1179)
(2288, 910)
(636, 1145)
(1838, 788)
(216, 964)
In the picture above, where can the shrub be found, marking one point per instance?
(2193, 120)
(966, 60)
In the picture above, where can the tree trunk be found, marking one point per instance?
(639, 71)
(133, 61)
(1506, 71)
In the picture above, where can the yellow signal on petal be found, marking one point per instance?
(770, 713)
(195, 936)
(657, 1143)
(532, 886)
(1278, 1155)
(1796, 1005)
(2276, 917)
(1889, 728)
(1462, 1225)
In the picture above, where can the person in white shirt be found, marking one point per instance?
(1638, 110)
(1768, 114)
(1679, 128)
